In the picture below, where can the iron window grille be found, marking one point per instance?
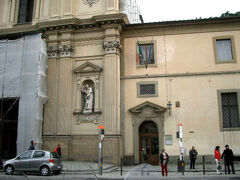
(146, 89)
(230, 112)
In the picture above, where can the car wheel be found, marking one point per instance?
(9, 169)
(56, 172)
(45, 170)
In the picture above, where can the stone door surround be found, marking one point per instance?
(147, 111)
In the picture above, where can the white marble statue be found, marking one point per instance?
(88, 95)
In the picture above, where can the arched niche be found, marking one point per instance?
(91, 75)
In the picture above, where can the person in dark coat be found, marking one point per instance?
(193, 156)
(228, 156)
(32, 146)
(164, 161)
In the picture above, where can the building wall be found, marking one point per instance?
(65, 122)
(186, 71)
(49, 10)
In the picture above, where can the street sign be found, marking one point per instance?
(180, 128)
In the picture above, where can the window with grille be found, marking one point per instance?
(25, 12)
(224, 49)
(147, 89)
(230, 110)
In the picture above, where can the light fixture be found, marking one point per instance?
(169, 106)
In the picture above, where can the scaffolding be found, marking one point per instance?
(132, 10)
(23, 65)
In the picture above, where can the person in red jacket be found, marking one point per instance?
(217, 159)
(58, 150)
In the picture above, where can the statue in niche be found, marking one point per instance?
(88, 95)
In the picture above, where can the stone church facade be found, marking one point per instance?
(181, 78)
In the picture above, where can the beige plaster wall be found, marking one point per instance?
(198, 111)
(180, 53)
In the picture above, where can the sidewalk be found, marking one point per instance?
(111, 171)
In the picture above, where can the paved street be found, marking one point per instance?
(91, 177)
(89, 171)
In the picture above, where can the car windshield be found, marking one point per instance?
(54, 155)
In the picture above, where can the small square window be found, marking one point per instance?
(224, 50)
(147, 89)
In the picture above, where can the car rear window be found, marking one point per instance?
(54, 155)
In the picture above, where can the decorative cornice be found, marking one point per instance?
(179, 74)
(66, 51)
(111, 47)
(87, 68)
(62, 51)
(65, 24)
(138, 108)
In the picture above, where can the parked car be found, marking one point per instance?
(41, 161)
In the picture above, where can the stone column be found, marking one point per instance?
(111, 92)
(112, 145)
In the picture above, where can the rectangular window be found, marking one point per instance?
(229, 109)
(147, 89)
(224, 49)
(25, 13)
(145, 56)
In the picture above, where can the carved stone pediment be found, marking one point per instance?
(87, 68)
(147, 105)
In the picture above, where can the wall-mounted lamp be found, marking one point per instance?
(169, 106)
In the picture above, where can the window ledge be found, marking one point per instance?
(23, 24)
(230, 129)
(144, 66)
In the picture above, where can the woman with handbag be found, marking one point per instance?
(217, 159)
(164, 160)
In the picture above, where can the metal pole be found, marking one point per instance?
(121, 165)
(203, 159)
(100, 158)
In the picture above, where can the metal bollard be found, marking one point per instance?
(203, 159)
(182, 167)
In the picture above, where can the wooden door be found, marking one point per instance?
(148, 143)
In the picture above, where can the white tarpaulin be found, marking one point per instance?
(23, 64)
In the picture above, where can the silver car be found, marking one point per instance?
(41, 161)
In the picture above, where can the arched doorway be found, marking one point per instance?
(148, 143)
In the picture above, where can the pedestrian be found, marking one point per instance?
(32, 146)
(193, 156)
(217, 156)
(164, 160)
(228, 159)
(58, 150)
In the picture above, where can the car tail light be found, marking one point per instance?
(51, 160)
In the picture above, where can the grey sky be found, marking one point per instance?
(165, 10)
